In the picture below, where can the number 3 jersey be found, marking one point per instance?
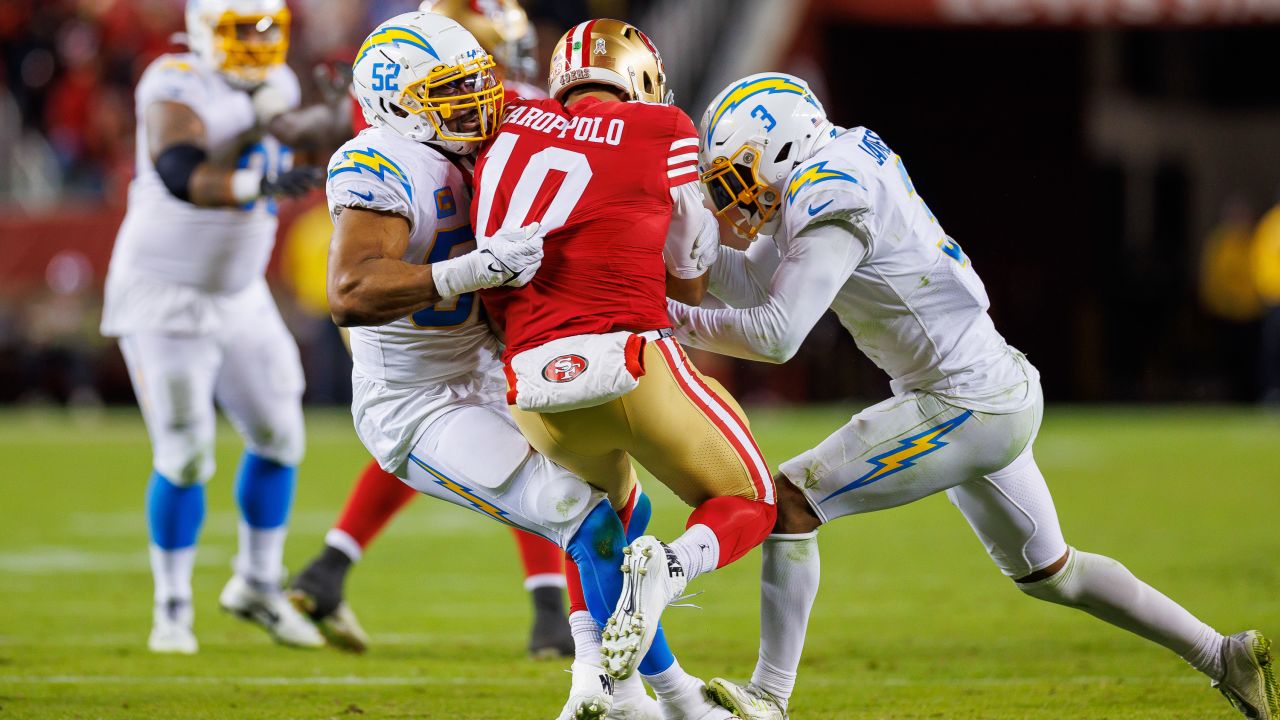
(440, 355)
(192, 252)
(599, 177)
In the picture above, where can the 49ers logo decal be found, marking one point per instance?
(564, 368)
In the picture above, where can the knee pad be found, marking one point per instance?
(282, 439)
(553, 495)
(184, 461)
(483, 447)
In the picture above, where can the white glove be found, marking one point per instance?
(706, 248)
(269, 102)
(511, 257)
(517, 253)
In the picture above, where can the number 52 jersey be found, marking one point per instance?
(440, 355)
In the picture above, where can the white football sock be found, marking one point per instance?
(342, 542)
(171, 570)
(698, 551)
(673, 682)
(586, 638)
(789, 578)
(1107, 590)
(261, 556)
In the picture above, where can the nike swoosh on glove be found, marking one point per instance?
(515, 254)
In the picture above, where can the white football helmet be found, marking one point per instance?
(242, 39)
(425, 77)
(753, 135)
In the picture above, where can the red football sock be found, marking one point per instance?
(543, 561)
(573, 582)
(739, 524)
(376, 498)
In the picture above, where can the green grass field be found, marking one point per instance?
(912, 621)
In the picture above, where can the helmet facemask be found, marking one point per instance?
(462, 102)
(246, 47)
(736, 192)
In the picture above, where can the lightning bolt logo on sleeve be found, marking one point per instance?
(739, 95)
(394, 36)
(476, 502)
(813, 175)
(373, 161)
(908, 452)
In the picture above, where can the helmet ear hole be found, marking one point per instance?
(784, 153)
(648, 83)
(391, 108)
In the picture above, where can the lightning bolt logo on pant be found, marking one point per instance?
(477, 503)
(905, 455)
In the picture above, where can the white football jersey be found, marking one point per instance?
(402, 368)
(166, 240)
(914, 304)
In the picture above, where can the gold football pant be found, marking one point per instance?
(681, 426)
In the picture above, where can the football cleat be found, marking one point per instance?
(696, 704)
(1250, 682)
(271, 610)
(749, 702)
(317, 592)
(171, 630)
(651, 578)
(590, 693)
(632, 702)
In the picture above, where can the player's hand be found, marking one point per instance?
(334, 81)
(269, 103)
(706, 248)
(514, 255)
(292, 183)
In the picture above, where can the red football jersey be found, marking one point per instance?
(598, 176)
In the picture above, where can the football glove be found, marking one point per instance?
(292, 183)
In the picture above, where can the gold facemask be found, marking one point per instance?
(733, 183)
(449, 92)
(250, 45)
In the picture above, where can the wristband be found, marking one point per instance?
(246, 185)
(463, 274)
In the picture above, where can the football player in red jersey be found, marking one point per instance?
(610, 171)
(503, 29)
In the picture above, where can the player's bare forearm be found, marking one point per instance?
(368, 282)
(171, 125)
(313, 130)
(690, 291)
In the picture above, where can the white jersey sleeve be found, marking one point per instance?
(811, 273)
(365, 173)
(824, 192)
(741, 278)
(177, 79)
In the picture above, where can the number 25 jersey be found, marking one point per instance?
(598, 177)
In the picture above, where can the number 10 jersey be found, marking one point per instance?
(442, 354)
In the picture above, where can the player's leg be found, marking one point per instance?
(544, 580)
(259, 387)
(173, 378)
(1012, 512)
(319, 589)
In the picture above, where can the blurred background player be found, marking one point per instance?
(196, 323)
(502, 29)
(851, 234)
(594, 376)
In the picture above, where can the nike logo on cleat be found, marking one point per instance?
(606, 683)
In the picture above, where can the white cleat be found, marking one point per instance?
(632, 702)
(694, 705)
(590, 694)
(651, 578)
(171, 630)
(1250, 681)
(271, 610)
(747, 702)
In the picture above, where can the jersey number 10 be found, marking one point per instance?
(533, 176)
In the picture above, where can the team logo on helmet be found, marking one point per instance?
(564, 368)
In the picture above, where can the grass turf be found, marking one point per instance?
(912, 621)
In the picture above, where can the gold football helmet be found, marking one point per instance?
(500, 26)
(609, 52)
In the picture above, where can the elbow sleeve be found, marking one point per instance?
(175, 166)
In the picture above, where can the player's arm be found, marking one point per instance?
(693, 237)
(369, 283)
(315, 130)
(804, 286)
(741, 278)
(184, 162)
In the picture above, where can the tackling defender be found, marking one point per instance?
(609, 169)
(851, 234)
(403, 273)
(502, 28)
(196, 323)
